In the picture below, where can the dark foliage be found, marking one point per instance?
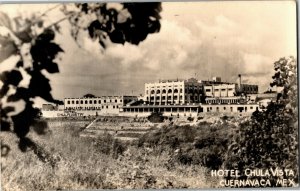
(270, 138)
(142, 19)
(203, 145)
(156, 117)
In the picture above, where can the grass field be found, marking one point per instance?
(76, 162)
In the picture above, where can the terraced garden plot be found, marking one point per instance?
(121, 130)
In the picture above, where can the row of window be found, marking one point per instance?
(216, 90)
(90, 101)
(250, 88)
(149, 87)
(170, 97)
(92, 108)
(170, 91)
(165, 102)
(240, 109)
(223, 101)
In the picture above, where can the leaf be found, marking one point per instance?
(8, 48)
(39, 86)
(21, 93)
(23, 120)
(43, 51)
(102, 44)
(93, 27)
(5, 125)
(4, 20)
(48, 35)
(19, 64)
(51, 67)
(117, 37)
(4, 89)
(8, 109)
(24, 36)
(13, 77)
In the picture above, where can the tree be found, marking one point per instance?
(270, 138)
(89, 96)
(31, 45)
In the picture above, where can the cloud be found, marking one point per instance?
(256, 64)
(205, 39)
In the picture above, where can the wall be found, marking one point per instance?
(226, 108)
(220, 90)
(104, 102)
(51, 114)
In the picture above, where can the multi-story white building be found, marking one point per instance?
(217, 88)
(169, 92)
(107, 104)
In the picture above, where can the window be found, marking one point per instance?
(77, 102)
(107, 107)
(113, 107)
(251, 107)
(116, 101)
(169, 91)
(164, 91)
(95, 101)
(91, 101)
(176, 91)
(72, 102)
(208, 90)
(223, 90)
(117, 106)
(99, 101)
(224, 108)
(68, 102)
(110, 100)
(180, 90)
(102, 106)
(158, 91)
(85, 102)
(104, 101)
(152, 91)
(216, 90)
(81, 102)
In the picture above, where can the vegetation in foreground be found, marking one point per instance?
(104, 163)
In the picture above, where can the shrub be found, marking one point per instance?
(156, 117)
(190, 118)
(270, 138)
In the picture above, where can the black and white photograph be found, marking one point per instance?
(149, 95)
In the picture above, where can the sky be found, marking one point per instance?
(197, 39)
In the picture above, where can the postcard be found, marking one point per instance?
(149, 95)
